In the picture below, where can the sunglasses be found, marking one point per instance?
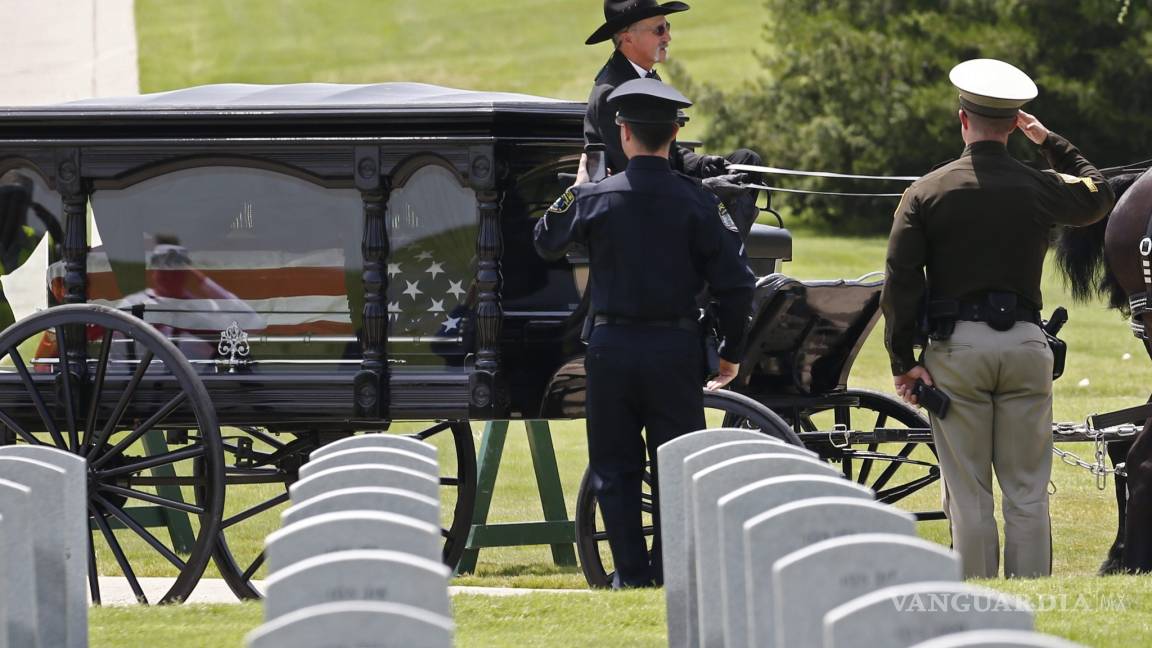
(659, 30)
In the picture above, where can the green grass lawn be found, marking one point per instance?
(535, 46)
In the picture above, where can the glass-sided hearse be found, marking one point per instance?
(238, 274)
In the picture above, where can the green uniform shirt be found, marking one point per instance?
(981, 224)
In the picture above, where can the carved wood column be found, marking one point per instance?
(488, 394)
(73, 191)
(371, 383)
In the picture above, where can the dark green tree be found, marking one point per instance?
(861, 86)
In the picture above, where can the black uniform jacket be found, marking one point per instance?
(600, 120)
(655, 238)
(981, 224)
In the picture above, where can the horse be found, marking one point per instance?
(1106, 260)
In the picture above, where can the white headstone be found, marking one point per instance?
(381, 456)
(743, 504)
(811, 581)
(348, 530)
(18, 591)
(53, 551)
(903, 615)
(707, 487)
(375, 475)
(355, 624)
(673, 510)
(376, 440)
(359, 575)
(693, 464)
(389, 500)
(778, 532)
(998, 639)
(76, 534)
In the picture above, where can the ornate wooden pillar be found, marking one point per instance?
(488, 393)
(371, 383)
(74, 191)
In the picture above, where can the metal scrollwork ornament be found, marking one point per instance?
(233, 348)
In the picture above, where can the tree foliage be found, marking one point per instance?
(861, 86)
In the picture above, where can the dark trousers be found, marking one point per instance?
(639, 378)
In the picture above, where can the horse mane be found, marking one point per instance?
(1080, 256)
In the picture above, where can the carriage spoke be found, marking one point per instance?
(66, 378)
(897, 493)
(152, 499)
(15, 427)
(97, 388)
(93, 575)
(127, 521)
(890, 471)
(34, 394)
(191, 452)
(160, 415)
(256, 564)
(866, 465)
(255, 510)
(118, 552)
(449, 481)
(122, 404)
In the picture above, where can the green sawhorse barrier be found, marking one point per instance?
(555, 530)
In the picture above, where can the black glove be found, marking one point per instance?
(726, 186)
(712, 166)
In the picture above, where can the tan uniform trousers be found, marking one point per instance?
(1000, 383)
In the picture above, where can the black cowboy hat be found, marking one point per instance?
(618, 14)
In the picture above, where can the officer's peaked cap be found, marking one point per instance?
(992, 88)
(647, 101)
(618, 14)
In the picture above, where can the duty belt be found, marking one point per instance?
(682, 323)
(970, 312)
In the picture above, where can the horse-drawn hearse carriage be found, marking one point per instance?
(244, 273)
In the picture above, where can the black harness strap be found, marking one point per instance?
(1138, 302)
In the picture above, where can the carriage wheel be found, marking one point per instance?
(895, 471)
(261, 466)
(592, 539)
(110, 410)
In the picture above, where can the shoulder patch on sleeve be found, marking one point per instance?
(726, 219)
(1071, 179)
(563, 202)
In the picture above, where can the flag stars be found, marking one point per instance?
(393, 310)
(424, 256)
(455, 289)
(437, 306)
(394, 269)
(451, 324)
(413, 289)
(435, 269)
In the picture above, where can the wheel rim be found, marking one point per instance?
(261, 466)
(126, 382)
(734, 410)
(890, 470)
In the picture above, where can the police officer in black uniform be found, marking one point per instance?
(655, 239)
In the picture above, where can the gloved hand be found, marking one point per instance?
(726, 186)
(712, 165)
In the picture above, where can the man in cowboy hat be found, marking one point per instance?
(655, 239)
(640, 35)
(966, 251)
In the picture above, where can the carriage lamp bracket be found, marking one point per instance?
(245, 456)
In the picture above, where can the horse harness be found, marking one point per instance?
(1138, 302)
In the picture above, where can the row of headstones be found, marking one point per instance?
(43, 548)
(356, 561)
(766, 546)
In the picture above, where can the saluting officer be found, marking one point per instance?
(968, 243)
(655, 239)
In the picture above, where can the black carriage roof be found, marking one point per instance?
(312, 109)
